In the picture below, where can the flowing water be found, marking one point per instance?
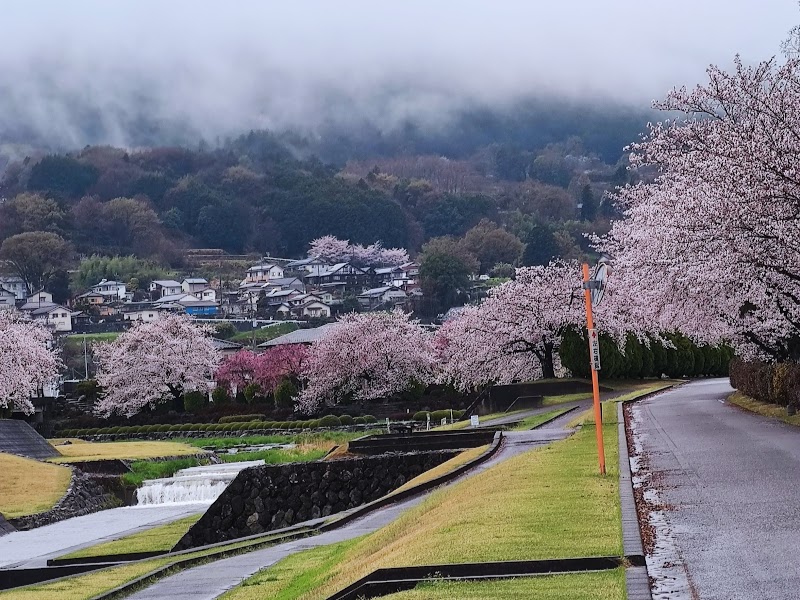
(193, 485)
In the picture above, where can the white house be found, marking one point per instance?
(206, 295)
(55, 316)
(263, 272)
(312, 265)
(165, 287)
(110, 290)
(7, 299)
(15, 285)
(315, 309)
(40, 298)
(192, 285)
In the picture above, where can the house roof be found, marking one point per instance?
(225, 344)
(167, 283)
(197, 303)
(306, 261)
(386, 270)
(29, 306)
(380, 291)
(284, 281)
(195, 280)
(263, 267)
(46, 310)
(177, 298)
(108, 282)
(301, 336)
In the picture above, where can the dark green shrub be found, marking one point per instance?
(242, 418)
(359, 421)
(251, 392)
(220, 396)
(314, 423)
(285, 393)
(195, 401)
(421, 416)
(370, 419)
(164, 428)
(457, 414)
(345, 419)
(438, 415)
(329, 421)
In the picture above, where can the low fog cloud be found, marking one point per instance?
(210, 69)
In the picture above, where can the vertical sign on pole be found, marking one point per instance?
(594, 357)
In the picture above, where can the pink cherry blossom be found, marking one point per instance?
(334, 250)
(153, 362)
(366, 357)
(26, 362)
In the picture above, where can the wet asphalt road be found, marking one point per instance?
(731, 483)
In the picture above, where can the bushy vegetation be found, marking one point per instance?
(774, 383)
(147, 469)
(680, 357)
(438, 415)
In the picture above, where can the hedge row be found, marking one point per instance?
(242, 418)
(438, 415)
(777, 383)
(326, 421)
(680, 357)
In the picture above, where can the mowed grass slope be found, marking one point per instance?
(80, 451)
(28, 486)
(163, 537)
(547, 503)
(602, 585)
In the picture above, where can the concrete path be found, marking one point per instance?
(33, 548)
(214, 579)
(723, 486)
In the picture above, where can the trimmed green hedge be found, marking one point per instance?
(242, 418)
(775, 383)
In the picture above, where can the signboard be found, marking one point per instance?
(474, 420)
(594, 349)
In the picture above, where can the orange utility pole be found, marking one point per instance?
(594, 359)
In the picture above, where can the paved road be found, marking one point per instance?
(729, 481)
(33, 548)
(209, 581)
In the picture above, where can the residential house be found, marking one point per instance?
(226, 347)
(111, 290)
(15, 285)
(199, 308)
(147, 312)
(340, 278)
(206, 295)
(388, 296)
(311, 265)
(40, 298)
(55, 316)
(263, 272)
(309, 306)
(164, 287)
(286, 283)
(395, 276)
(192, 285)
(92, 298)
(7, 299)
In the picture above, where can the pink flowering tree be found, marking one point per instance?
(266, 369)
(366, 357)
(713, 243)
(26, 362)
(237, 370)
(334, 250)
(154, 362)
(515, 334)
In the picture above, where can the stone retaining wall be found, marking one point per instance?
(85, 495)
(272, 497)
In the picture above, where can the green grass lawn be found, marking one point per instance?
(537, 420)
(161, 538)
(547, 503)
(763, 408)
(91, 338)
(334, 437)
(263, 335)
(81, 451)
(598, 585)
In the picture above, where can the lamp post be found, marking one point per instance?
(593, 288)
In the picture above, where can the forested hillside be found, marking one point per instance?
(529, 171)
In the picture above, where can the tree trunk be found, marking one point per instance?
(546, 359)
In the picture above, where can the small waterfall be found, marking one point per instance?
(191, 486)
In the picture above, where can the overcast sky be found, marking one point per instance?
(230, 66)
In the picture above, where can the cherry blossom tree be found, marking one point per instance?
(154, 362)
(514, 335)
(366, 357)
(713, 243)
(237, 370)
(26, 362)
(266, 369)
(334, 250)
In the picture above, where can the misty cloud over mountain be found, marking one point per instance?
(140, 73)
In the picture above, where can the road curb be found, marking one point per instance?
(631, 537)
